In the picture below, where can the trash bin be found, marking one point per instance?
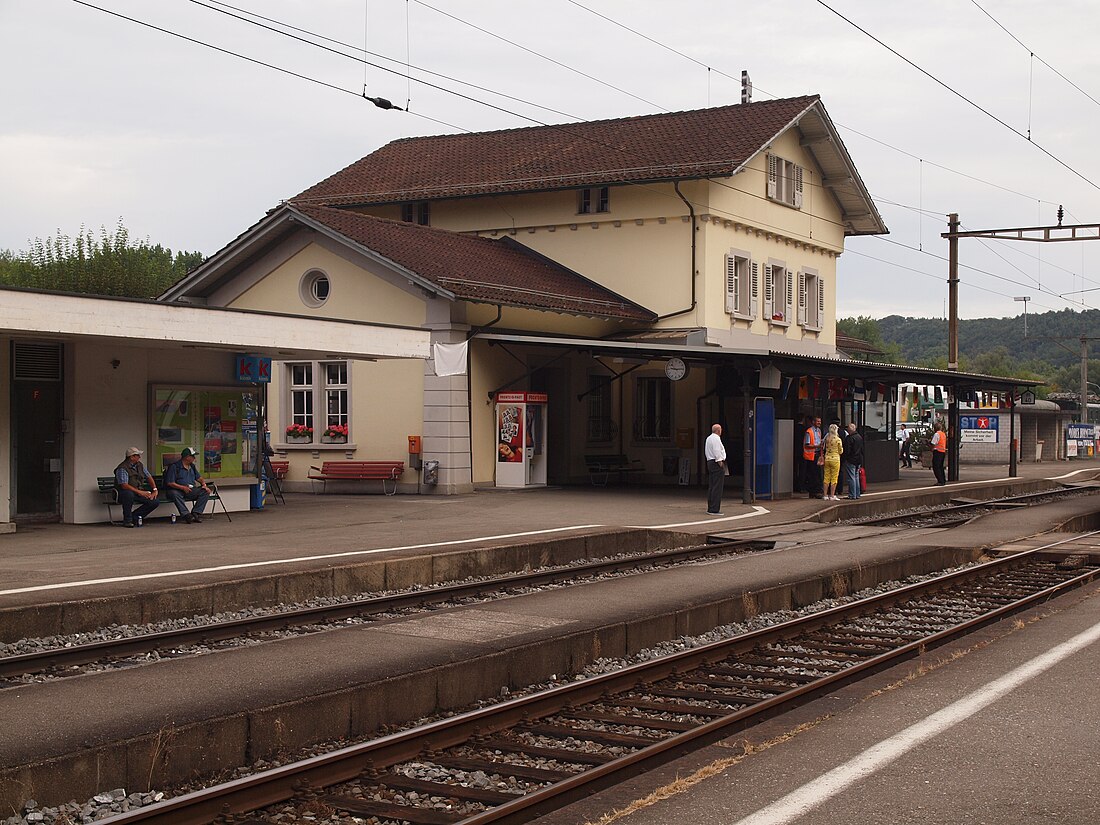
(259, 491)
(431, 472)
(1039, 451)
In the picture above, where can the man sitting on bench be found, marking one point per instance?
(183, 483)
(130, 480)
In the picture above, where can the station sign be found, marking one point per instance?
(979, 429)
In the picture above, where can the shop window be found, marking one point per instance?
(219, 423)
(418, 213)
(653, 412)
(318, 386)
(784, 181)
(594, 199)
(600, 426)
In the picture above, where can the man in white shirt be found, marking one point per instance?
(715, 453)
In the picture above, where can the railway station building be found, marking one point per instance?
(567, 304)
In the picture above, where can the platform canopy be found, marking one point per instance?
(65, 316)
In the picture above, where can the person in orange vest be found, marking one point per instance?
(939, 454)
(812, 460)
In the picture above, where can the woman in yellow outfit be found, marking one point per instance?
(834, 448)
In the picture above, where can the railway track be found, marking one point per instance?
(519, 759)
(961, 511)
(60, 660)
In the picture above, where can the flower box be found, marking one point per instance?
(299, 439)
(334, 439)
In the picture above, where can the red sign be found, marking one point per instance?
(521, 397)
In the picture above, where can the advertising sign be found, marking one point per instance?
(510, 433)
(1081, 432)
(979, 429)
(252, 369)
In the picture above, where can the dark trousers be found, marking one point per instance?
(127, 498)
(716, 479)
(813, 477)
(938, 459)
(180, 499)
(853, 480)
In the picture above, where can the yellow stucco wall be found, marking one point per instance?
(386, 397)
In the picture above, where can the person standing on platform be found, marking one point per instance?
(834, 449)
(715, 453)
(131, 478)
(813, 460)
(903, 447)
(853, 461)
(939, 454)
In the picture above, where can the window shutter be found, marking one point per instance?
(754, 293)
(773, 175)
(790, 296)
(802, 278)
(797, 170)
(733, 291)
(820, 303)
(769, 292)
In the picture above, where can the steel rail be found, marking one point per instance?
(280, 784)
(1004, 502)
(219, 631)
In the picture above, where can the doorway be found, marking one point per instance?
(554, 381)
(36, 393)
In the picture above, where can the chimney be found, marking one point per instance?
(746, 87)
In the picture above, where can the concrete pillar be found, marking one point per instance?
(447, 420)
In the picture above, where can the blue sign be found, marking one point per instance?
(252, 369)
(979, 429)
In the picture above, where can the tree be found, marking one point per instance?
(867, 329)
(108, 265)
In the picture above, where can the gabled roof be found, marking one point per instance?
(704, 143)
(454, 266)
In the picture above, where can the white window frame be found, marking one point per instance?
(811, 299)
(784, 181)
(742, 285)
(307, 401)
(418, 212)
(594, 200)
(778, 293)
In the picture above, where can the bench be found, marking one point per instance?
(279, 469)
(600, 467)
(109, 494)
(357, 471)
(276, 471)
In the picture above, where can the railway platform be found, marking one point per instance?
(202, 714)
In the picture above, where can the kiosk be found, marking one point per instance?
(521, 439)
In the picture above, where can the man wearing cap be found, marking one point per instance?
(184, 484)
(130, 481)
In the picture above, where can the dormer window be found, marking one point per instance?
(419, 213)
(784, 181)
(594, 199)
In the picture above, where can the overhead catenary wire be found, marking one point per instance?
(729, 215)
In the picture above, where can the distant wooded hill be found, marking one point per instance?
(994, 346)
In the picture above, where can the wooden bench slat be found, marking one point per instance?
(359, 471)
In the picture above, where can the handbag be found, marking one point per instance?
(862, 480)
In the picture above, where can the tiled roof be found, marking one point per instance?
(694, 144)
(479, 269)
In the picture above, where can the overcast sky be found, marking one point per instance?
(104, 118)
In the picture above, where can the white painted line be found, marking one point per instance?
(757, 511)
(813, 794)
(931, 485)
(245, 565)
(1073, 473)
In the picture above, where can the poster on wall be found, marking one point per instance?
(213, 421)
(510, 434)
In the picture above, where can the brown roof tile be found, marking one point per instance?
(479, 269)
(700, 143)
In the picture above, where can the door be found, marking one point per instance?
(554, 381)
(36, 430)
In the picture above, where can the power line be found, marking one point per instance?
(957, 93)
(1032, 53)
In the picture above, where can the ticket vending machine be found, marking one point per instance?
(521, 439)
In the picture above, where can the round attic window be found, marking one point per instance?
(314, 288)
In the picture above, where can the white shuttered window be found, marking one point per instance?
(784, 181)
(740, 285)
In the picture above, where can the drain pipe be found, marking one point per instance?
(694, 230)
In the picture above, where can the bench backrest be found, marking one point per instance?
(280, 468)
(106, 483)
(362, 469)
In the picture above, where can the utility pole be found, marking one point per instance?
(953, 292)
